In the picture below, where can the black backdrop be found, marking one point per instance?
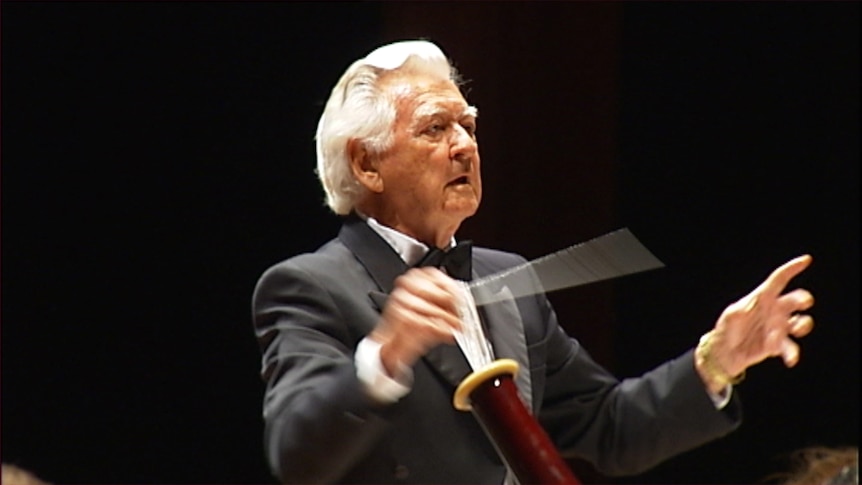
(157, 157)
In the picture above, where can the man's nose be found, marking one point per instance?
(463, 144)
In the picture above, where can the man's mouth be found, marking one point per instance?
(462, 180)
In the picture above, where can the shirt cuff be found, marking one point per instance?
(720, 400)
(370, 371)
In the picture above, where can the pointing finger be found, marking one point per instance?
(778, 280)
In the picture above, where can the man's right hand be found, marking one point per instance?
(420, 313)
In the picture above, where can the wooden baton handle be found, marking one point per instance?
(491, 395)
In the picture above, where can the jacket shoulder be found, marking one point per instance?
(320, 265)
(487, 259)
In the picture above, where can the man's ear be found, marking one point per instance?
(362, 163)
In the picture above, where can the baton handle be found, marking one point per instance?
(491, 395)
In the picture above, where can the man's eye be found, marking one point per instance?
(435, 128)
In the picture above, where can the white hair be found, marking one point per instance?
(358, 109)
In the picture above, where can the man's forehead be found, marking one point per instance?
(422, 89)
(435, 106)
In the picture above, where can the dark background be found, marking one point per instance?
(157, 157)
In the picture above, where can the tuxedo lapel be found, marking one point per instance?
(505, 329)
(376, 255)
(379, 299)
(449, 361)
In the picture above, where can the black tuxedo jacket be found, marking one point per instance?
(311, 311)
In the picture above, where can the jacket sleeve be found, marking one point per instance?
(625, 427)
(318, 421)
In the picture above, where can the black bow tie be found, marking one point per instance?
(458, 261)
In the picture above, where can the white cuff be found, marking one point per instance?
(721, 400)
(370, 371)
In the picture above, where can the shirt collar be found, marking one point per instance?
(410, 249)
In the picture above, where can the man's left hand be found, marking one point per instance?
(758, 326)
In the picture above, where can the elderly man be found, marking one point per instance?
(357, 339)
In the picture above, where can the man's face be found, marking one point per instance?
(430, 174)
